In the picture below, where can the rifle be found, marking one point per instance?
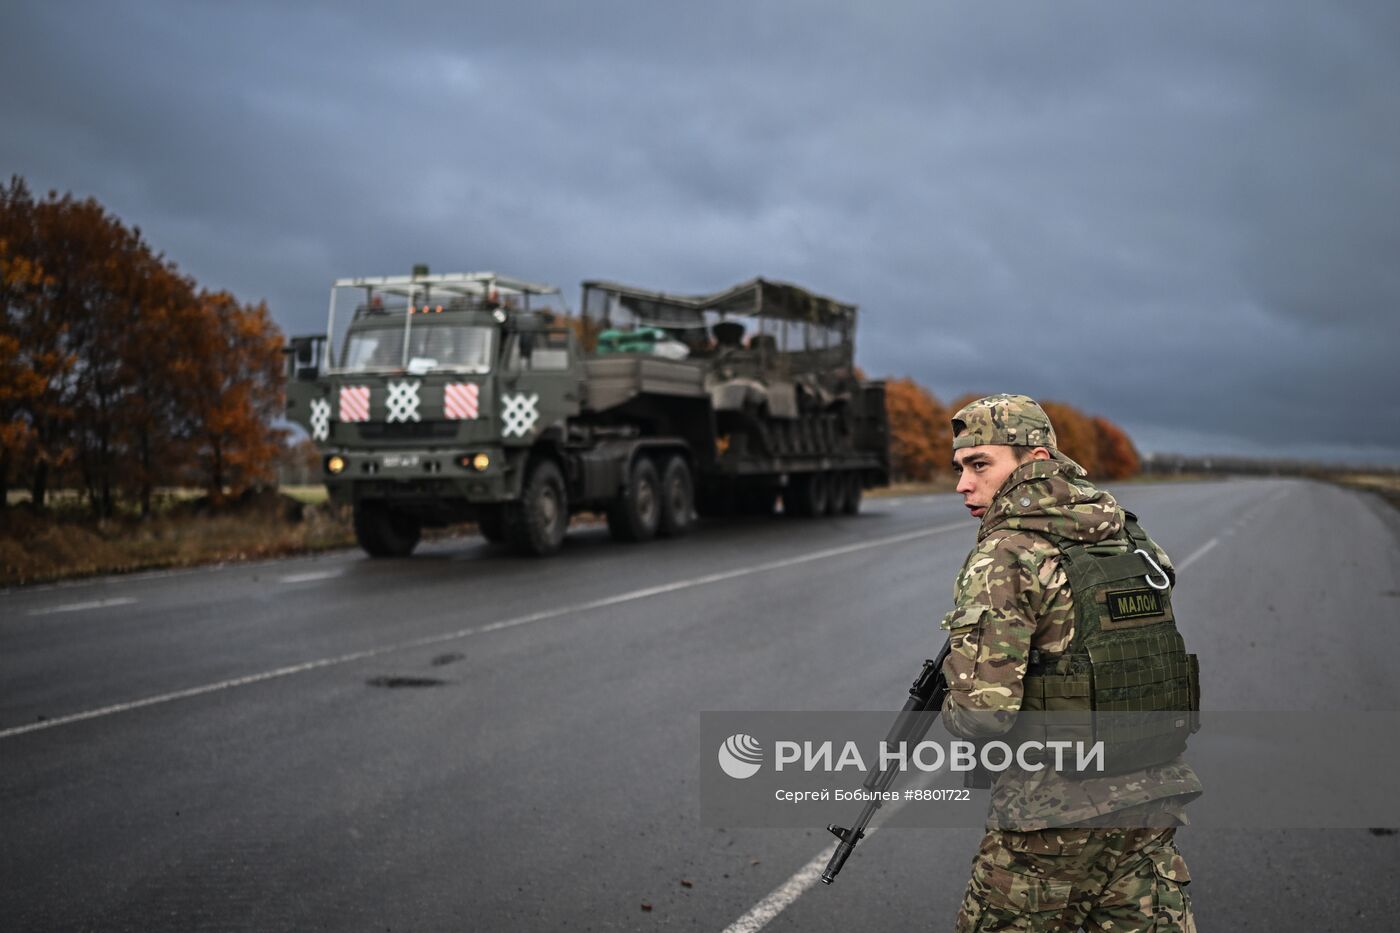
(925, 695)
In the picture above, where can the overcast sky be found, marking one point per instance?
(1182, 216)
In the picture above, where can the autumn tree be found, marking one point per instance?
(1074, 434)
(22, 378)
(115, 370)
(36, 375)
(235, 374)
(961, 402)
(1118, 458)
(152, 358)
(93, 261)
(920, 437)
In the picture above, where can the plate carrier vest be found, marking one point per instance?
(1126, 657)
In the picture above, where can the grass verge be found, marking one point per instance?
(38, 547)
(1385, 485)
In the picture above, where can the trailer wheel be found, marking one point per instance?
(635, 515)
(536, 524)
(854, 489)
(806, 495)
(677, 499)
(385, 532)
(491, 522)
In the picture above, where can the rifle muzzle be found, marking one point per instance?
(848, 838)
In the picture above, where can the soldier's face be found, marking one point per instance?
(981, 471)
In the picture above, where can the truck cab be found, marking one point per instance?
(427, 393)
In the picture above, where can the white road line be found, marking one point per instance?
(80, 607)
(784, 894)
(144, 575)
(790, 890)
(479, 630)
(308, 577)
(1206, 548)
(1197, 554)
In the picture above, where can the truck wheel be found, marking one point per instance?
(385, 532)
(677, 499)
(838, 488)
(491, 522)
(536, 524)
(854, 489)
(635, 515)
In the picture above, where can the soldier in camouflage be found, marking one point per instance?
(1059, 854)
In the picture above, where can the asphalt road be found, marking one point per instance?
(465, 740)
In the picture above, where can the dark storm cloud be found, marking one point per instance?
(1182, 216)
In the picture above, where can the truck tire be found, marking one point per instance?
(491, 522)
(854, 489)
(838, 487)
(806, 495)
(536, 524)
(677, 499)
(636, 514)
(385, 532)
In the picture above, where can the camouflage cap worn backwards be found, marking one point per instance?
(1007, 420)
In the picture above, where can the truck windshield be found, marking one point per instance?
(454, 348)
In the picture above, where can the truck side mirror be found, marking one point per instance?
(303, 350)
(527, 344)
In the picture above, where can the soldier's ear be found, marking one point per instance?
(1040, 453)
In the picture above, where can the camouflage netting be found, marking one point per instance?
(757, 297)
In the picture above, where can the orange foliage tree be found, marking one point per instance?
(921, 440)
(1075, 435)
(235, 375)
(21, 384)
(957, 404)
(38, 366)
(114, 374)
(1118, 458)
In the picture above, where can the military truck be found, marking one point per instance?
(437, 399)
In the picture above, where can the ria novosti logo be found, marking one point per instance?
(741, 756)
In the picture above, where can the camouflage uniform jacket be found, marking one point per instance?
(1012, 595)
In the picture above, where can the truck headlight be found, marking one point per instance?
(335, 463)
(480, 462)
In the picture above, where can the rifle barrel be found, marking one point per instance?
(926, 695)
